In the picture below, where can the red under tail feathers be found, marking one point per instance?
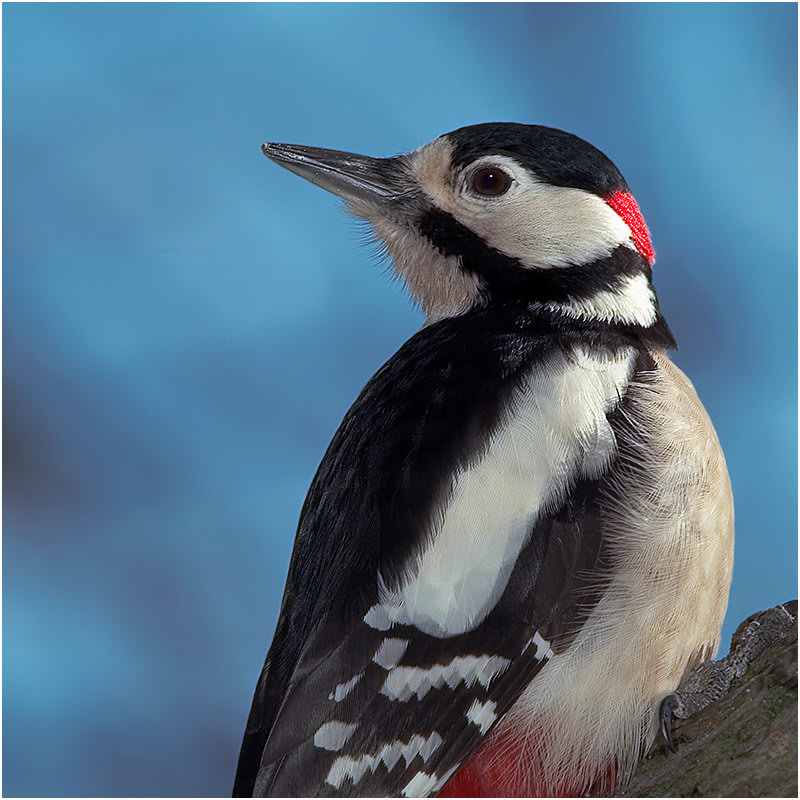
(505, 766)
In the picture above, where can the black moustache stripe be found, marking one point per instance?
(507, 278)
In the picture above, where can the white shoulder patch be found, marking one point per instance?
(556, 431)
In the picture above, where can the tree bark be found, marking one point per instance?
(744, 744)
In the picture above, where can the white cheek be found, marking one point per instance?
(539, 224)
(546, 226)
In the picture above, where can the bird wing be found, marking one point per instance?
(371, 712)
(440, 559)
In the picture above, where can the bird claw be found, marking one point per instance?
(666, 714)
(712, 679)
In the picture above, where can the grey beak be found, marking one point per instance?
(379, 181)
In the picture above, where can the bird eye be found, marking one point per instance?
(491, 181)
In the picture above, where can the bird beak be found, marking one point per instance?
(379, 182)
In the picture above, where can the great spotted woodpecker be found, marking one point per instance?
(521, 536)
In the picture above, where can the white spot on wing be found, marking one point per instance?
(378, 617)
(403, 683)
(389, 755)
(446, 777)
(343, 689)
(421, 785)
(543, 649)
(482, 714)
(424, 784)
(333, 735)
(390, 652)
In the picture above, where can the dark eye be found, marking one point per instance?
(491, 181)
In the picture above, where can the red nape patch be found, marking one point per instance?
(503, 766)
(625, 205)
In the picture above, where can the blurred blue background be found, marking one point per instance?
(185, 323)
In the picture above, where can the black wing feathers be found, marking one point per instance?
(425, 414)
(294, 766)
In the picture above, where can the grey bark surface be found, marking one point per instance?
(743, 743)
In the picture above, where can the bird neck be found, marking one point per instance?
(597, 320)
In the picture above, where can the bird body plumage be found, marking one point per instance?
(519, 539)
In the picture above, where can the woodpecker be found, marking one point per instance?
(520, 538)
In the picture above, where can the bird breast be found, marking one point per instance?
(668, 523)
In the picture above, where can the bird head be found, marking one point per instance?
(498, 213)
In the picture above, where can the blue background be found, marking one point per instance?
(185, 323)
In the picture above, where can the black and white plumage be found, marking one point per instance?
(521, 535)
